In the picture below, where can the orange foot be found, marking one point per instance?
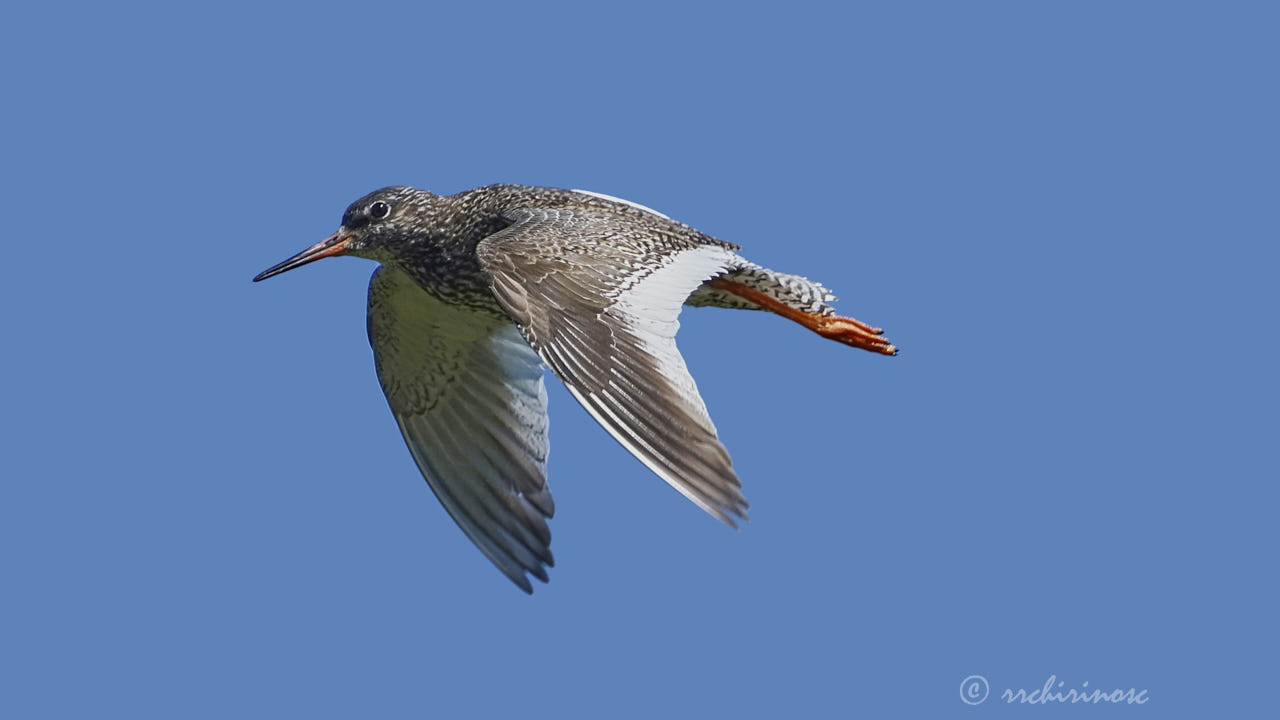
(841, 329)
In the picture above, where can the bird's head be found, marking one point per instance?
(372, 227)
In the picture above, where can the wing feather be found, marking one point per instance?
(598, 297)
(467, 392)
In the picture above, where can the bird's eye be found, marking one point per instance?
(379, 210)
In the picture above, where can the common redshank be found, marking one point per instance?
(476, 291)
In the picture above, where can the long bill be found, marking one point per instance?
(333, 245)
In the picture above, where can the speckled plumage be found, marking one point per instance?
(478, 289)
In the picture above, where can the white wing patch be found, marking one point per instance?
(635, 205)
(651, 308)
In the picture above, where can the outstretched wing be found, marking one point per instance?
(467, 392)
(598, 298)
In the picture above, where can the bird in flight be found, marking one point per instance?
(477, 291)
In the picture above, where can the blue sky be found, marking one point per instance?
(1063, 214)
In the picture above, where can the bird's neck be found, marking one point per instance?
(446, 266)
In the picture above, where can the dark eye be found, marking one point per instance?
(379, 210)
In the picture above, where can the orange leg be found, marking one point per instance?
(841, 329)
